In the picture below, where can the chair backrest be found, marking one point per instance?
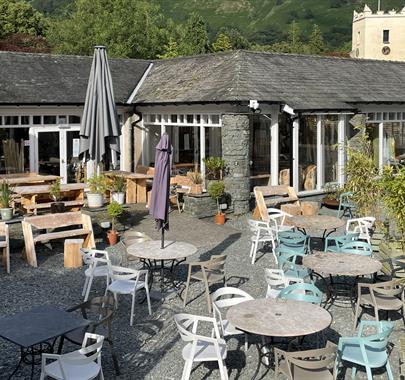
(362, 225)
(89, 352)
(216, 263)
(294, 239)
(276, 281)
(357, 248)
(94, 257)
(124, 273)
(261, 204)
(302, 292)
(388, 288)
(187, 325)
(345, 198)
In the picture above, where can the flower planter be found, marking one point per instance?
(57, 207)
(220, 218)
(6, 213)
(95, 200)
(112, 237)
(118, 197)
(196, 189)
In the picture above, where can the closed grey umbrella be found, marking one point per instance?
(99, 130)
(159, 205)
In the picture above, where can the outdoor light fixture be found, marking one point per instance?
(254, 106)
(287, 109)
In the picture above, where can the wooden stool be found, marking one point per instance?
(72, 256)
(310, 208)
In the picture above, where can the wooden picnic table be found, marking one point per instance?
(22, 179)
(38, 196)
(136, 185)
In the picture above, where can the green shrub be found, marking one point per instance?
(216, 190)
(118, 184)
(5, 194)
(114, 210)
(214, 167)
(97, 184)
(54, 190)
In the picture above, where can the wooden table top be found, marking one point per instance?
(29, 179)
(341, 264)
(150, 250)
(316, 222)
(43, 189)
(277, 317)
(125, 174)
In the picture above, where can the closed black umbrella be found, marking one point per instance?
(99, 130)
(159, 206)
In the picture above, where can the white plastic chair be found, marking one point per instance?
(224, 298)
(128, 281)
(276, 281)
(98, 266)
(363, 226)
(200, 348)
(261, 233)
(278, 218)
(83, 364)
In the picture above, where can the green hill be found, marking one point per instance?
(264, 21)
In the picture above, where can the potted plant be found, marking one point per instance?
(114, 210)
(216, 190)
(196, 178)
(97, 188)
(118, 189)
(54, 191)
(214, 167)
(5, 199)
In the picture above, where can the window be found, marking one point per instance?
(37, 119)
(330, 148)
(49, 119)
(386, 36)
(73, 119)
(307, 150)
(25, 120)
(261, 149)
(11, 120)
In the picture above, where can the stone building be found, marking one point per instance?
(274, 118)
(379, 35)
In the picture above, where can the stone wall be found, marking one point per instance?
(200, 206)
(236, 151)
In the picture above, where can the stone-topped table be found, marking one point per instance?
(316, 222)
(150, 253)
(276, 317)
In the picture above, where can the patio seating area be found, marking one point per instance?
(274, 300)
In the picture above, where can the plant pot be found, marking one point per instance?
(57, 207)
(6, 213)
(112, 237)
(118, 197)
(95, 200)
(220, 218)
(196, 189)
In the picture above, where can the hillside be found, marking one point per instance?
(264, 21)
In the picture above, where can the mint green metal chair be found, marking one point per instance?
(369, 351)
(345, 205)
(357, 248)
(334, 243)
(294, 239)
(302, 292)
(287, 261)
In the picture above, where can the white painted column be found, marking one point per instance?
(320, 148)
(342, 127)
(274, 147)
(295, 153)
(202, 151)
(126, 145)
(33, 151)
(381, 146)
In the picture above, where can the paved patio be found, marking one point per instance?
(151, 349)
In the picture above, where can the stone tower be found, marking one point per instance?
(379, 35)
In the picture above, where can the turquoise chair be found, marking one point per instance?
(334, 243)
(302, 292)
(287, 259)
(357, 248)
(345, 205)
(368, 351)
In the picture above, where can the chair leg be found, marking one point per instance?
(60, 346)
(354, 371)
(207, 294)
(101, 374)
(389, 371)
(256, 245)
(356, 315)
(369, 373)
(86, 282)
(188, 365)
(222, 369)
(148, 299)
(187, 285)
(88, 289)
(132, 308)
(246, 342)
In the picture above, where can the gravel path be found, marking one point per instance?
(151, 349)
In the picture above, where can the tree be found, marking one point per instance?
(18, 16)
(222, 43)
(195, 36)
(294, 38)
(25, 43)
(316, 44)
(170, 50)
(237, 40)
(129, 28)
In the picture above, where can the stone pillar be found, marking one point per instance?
(236, 153)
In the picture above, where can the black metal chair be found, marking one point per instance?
(100, 312)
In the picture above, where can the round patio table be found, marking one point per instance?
(278, 318)
(340, 264)
(316, 222)
(153, 257)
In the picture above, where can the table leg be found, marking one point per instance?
(18, 365)
(141, 190)
(131, 191)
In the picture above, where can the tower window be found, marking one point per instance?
(386, 36)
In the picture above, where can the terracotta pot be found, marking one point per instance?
(112, 237)
(57, 207)
(220, 218)
(196, 189)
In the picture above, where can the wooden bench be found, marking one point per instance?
(5, 246)
(81, 224)
(76, 204)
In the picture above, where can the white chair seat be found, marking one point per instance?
(98, 271)
(74, 372)
(125, 286)
(204, 351)
(273, 293)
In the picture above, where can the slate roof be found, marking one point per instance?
(60, 79)
(304, 82)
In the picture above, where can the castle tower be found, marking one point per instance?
(379, 35)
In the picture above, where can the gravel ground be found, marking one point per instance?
(151, 349)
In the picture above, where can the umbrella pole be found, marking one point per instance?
(162, 236)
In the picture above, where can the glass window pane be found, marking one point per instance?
(1, 120)
(190, 119)
(181, 119)
(25, 120)
(36, 119)
(372, 132)
(16, 138)
(307, 153)
(198, 118)
(260, 167)
(379, 116)
(215, 119)
(173, 118)
(391, 115)
(371, 116)
(73, 119)
(330, 129)
(62, 119)
(385, 115)
(394, 142)
(205, 119)
(50, 119)
(285, 150)
(11, 120)
(152, 118)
